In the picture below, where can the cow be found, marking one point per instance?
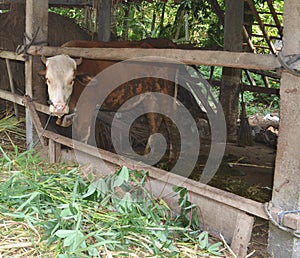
(68, 77)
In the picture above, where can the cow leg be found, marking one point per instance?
(170, 126)
(154, 121)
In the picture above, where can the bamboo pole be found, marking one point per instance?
(12, 86)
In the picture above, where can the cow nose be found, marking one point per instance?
(59, 107)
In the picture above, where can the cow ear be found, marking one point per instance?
(84, 78)
(78, 61)
(44, 59)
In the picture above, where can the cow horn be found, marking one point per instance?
(78, 61)
(44, 59)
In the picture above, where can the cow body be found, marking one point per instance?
(64, 91)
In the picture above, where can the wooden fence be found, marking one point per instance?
(233, 215)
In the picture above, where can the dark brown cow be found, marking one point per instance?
(64, 91)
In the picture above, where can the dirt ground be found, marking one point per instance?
(253, 180)
(252, 165)
(248, 172)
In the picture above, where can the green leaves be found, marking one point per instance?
(93, 219)
(205, 245)
(74, 239)
(121, 177)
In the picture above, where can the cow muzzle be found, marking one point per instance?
(59, 109)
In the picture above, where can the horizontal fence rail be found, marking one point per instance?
(191, 57)
(15, 98)
(11, 55)
(235, 201)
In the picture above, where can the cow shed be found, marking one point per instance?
(235, 212)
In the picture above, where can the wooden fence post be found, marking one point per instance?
(36, 29)
(286, 191)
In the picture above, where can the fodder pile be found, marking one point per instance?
(52, 209)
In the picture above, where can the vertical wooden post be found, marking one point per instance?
(286, 190)
(104, 20)
(231, 77)
(36, 26)
(54, 151)
(28, 90)
(12, 86)
(242, 234)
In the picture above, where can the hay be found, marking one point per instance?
(17, 238)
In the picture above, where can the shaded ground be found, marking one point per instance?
(248, 172)
(253, 180)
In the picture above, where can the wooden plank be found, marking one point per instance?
(54, 151)
(7, 95)
(52, 3)
(217, 217)
(261, 25)
(273, 75)
(229, 211)
(197, 57)
(257, 89)
(12, 86)
(15, 98)
(11, 55)
(240, 203)
(217, 195)
(250, 78)
(36, 29)
(275, 17)
(242, 234)
(162, 187)
(34, 117)
(248, 40)
(29, 92)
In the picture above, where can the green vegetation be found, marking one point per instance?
(57, 212)
(256, 103)
(10, 124)
(267, 19)
(12, 131)
(190, 21)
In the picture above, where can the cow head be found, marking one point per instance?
(60, 74)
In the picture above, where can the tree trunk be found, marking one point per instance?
(231, 77)
(179, 24)
(104, 20)
(125, 25)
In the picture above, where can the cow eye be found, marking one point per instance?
(48, 81)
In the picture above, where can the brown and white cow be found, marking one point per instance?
(64, 90)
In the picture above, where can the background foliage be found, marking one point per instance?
(190, 22)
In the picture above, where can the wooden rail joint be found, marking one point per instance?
(288, 221)
(35, 118)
